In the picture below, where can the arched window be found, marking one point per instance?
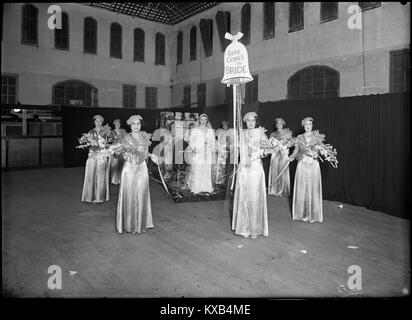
(61, 36)
(115, 40)
(315, 82)
(268, 20)
(245, 24)
(223, 26)
(74, 92)
(29, 24)
(206, 32)
(329, 11)
(160, 49)
(296, 16)
(193, 42)
(138, 54)
(90, 35)
(179, 47)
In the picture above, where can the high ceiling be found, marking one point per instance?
(164, 12)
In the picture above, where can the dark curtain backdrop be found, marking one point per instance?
(371, 134)
(78, 120)
(372, 137)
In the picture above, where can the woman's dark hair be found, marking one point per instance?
(227, 122)
(274, 127)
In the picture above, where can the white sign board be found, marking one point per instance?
(236, 62)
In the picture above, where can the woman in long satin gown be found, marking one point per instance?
(224, 140)
(96, 178)
(250, 217)
(116, 163)
(278, 161)
(202, 142)
(307, 193)
(134, 210)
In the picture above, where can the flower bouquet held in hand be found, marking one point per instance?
(259, 147)
(133, 152)
(268, 146)
(283, 141)
(318, 149)
(95, 141)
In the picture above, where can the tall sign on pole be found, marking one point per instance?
(236, 72)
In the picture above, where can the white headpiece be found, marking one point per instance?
(280, 120)
(249, 115)
(98, 116)
(134, 118)
(306, 119)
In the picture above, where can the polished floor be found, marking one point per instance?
(192, 251)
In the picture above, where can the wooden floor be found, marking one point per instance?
(192, 251)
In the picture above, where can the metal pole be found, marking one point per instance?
(24, 121)
(235, 142)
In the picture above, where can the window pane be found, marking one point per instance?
(311, 83)
(396, 87)
(308, 74)
(318, 73)
(331, 83)
(407, 75)
(160, 49)
(11, 81)
(398, 60)
(407, 59)
(179, 47)
(268, 19)
(12, 90)
(331, 94)
(245, 24)
(369, 5)
(318, 85)
(329, 11)
(193, 43)
(398, 75)
(139, 45)
(318, 95)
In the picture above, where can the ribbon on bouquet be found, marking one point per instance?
(163, 180)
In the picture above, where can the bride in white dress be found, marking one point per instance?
(202, 143)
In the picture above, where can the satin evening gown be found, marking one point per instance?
(250, 217)
(224, 139)
(116, 163)
(134, 210)
(200, 175)
(307, 193)
(278, 161)
(96, 178)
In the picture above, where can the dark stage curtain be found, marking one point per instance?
(372, 136)
(79, 120)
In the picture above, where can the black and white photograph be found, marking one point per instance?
(206, 150)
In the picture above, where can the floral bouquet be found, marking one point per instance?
(329, 153)
(95, 140)
(147, 137)
(269, 146)
(130, 151)
(284, 141)
(318, 149)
